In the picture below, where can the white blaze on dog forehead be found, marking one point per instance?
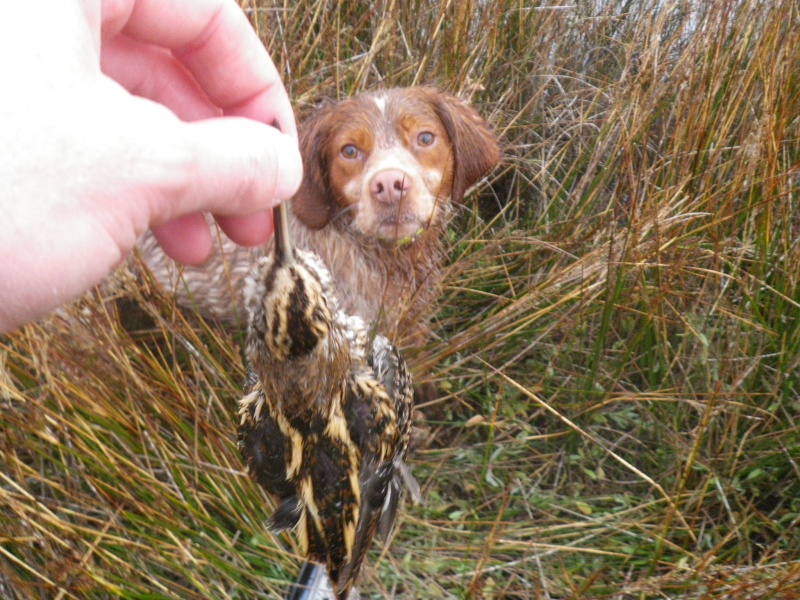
(380, 100)
(385, 133)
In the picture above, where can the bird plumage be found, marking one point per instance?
(325, 420)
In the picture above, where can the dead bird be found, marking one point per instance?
(325, 420)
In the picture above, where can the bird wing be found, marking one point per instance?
(374, 477)
(391, 370)
(264, 446)
(378, 409)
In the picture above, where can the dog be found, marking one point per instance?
(381, 171)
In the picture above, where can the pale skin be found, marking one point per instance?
(121, 115)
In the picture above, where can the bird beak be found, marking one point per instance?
(284, 248)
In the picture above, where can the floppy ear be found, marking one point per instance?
(474, 144)
(313, 202)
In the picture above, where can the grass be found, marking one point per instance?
(617, 343)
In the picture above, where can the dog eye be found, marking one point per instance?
(425, 138)
(349, 151)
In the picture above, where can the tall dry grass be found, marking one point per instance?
(617, 344)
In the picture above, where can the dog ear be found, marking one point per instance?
(313, 203)
(475, 145)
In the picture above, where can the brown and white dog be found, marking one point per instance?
(380, 171)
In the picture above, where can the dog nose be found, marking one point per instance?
(389, 186)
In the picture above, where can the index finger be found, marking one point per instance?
(215, 41)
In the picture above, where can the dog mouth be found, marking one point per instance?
(403, 229)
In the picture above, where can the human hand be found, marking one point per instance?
(100, 145)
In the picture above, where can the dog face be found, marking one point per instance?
(383, 165)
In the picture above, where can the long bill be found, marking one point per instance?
(284, 248)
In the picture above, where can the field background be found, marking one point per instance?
(617, 343)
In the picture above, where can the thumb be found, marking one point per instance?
(231, 167)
